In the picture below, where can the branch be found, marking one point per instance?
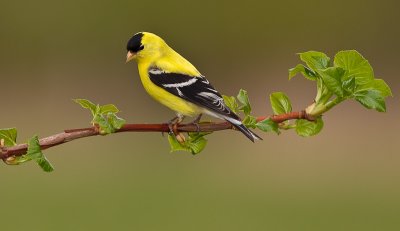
(73, 134)
(333, 87)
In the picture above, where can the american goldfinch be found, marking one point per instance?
(176, 83)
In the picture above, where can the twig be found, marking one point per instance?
(73, 134)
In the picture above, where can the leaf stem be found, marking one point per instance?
(334, 102)
(320, 109)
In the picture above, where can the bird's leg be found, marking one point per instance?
(173, 123)
(170, 123)
(196, 121)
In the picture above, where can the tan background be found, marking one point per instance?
(346, 178)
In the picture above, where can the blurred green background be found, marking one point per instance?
(346, 178)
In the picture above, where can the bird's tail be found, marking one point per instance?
(240, 126)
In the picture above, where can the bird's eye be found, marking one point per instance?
(141, 48)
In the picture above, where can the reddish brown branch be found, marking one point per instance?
(73, 134)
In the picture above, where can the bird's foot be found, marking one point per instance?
(173, 128)
(173, 124)
(170, 125)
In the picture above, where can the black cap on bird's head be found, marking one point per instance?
(134, 45)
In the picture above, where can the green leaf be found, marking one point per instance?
(349, 86)
(355, 66)
(250, 121)
(109, 123)
(34, 152)
(323, 93)
(371, 99)
(9, 135)
(280, 103)
(104, 126)
(307, 128)
(88, 105)
(332, 78)
(45, 164)
(268, 125)
(230, 101)
(305, 71)
(195, 143)
(378, 85)
(315, 60)
(244, 100)
(175, 145)
(115, 121)
(104, 116)
(108, 108)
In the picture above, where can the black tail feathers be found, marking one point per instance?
(239, 125)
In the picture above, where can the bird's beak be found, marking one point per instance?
(129, 56)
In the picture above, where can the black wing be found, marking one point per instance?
(199, 91)
(196, 90)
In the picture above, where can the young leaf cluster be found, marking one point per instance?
(104, 116)
(241, 105)
(8, 138)
(281, 105)
(195, 143)
(349, 76)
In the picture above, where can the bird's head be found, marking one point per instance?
(145, 46)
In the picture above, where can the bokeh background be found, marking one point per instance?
(346, 178)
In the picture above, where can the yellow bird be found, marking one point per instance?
(176, 83)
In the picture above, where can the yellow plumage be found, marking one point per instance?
(159, 54)
(176, 83)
